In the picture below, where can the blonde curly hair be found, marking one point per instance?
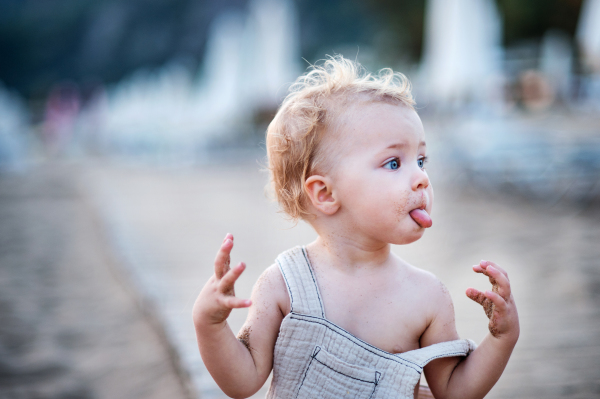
(316, 102)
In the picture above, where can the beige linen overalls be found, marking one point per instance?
(314, 358)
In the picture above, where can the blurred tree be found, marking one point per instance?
(327, 25)
(44, 42)
(401, 29)
(532, 18)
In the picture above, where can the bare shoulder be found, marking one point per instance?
(270, 289)
(438, 306)
(433, 294)
(428, 283)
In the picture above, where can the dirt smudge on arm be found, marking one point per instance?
(244, 337)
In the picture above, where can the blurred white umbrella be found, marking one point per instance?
(462, 49)
(588, 34)
(219, 89)
(272, 51)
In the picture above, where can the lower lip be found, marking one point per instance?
(421, 217)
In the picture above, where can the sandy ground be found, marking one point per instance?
(166, 226)
(71, 325)
(100, 266)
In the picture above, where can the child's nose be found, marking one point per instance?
(420, 179)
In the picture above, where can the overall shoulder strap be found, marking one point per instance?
(422, 356)
(300, 282)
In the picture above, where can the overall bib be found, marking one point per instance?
(314, 358)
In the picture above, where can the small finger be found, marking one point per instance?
(228, 281)
(476, 295)
(478, 269)
(491, 273)
(485, 263)
(497, 300)
(499, 280)
(482, 299)
(223, 258)
(235, 303)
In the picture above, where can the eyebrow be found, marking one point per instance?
(400, 145)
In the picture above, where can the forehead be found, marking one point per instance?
(372, 124)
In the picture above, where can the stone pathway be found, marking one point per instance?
(71, 325)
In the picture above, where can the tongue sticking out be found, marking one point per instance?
(421, 217)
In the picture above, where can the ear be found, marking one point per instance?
(319, 191)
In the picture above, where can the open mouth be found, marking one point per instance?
(421, 217)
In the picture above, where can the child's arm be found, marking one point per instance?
(240, 365)
(474, 376)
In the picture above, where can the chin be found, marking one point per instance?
(409, 238)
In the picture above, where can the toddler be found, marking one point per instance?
(343, 317)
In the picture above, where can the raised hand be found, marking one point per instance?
(217, 298)
(498, 304)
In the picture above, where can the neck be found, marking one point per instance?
(349, 253)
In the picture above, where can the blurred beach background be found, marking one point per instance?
(132, 141)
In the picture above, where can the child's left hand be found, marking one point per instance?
(498, 304)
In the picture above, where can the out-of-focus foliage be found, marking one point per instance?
(43, 42)
(532, 18)
(403, 23)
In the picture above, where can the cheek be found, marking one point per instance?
(401, 205)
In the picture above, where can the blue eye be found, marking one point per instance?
(393, 164)
(421, 162)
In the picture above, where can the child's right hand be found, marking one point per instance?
(217, 298)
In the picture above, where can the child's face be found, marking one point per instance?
(379, 175)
